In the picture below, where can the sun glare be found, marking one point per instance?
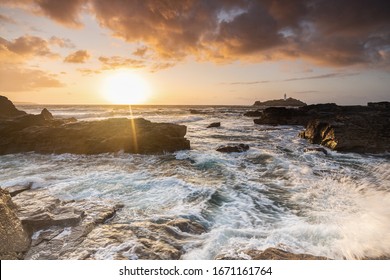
(125, 87)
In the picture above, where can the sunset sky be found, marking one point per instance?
(195, 52)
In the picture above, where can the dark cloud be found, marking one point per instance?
(316, 77)
(114, 62)
(323, 76)
(80, 56)
(329, 32)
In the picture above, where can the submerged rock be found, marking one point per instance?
(14, 239)
(234, 149)
(44, 134)
(214, 124)
(269, 254)
(321, 150)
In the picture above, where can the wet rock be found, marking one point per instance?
(14, 240)
(44, 134)
(256, 113)
(282, 116)
(363, 132)
(111, 135)
(269, 254)
(322, 150)
(214, 124)
(8, 110)
(14, 190)
(188, 226)
(234, 149)
(363, 129)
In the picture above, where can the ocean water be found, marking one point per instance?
(274, 195)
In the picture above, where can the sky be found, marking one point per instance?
(179, 52)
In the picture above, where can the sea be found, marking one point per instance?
(273, 195)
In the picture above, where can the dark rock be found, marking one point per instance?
(14, 240)
(47, 115)
(343, 128)
(379, 105)
(196, 112)
(8, 110)
(362, 132)
(215, 124)
(257, 113)
(289, 102)
(322, 150)
(271, 254)
(234, 149)
(283, 116)
(44, 134)
(34, 133)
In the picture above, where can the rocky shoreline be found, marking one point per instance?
(21, 132)
(37, 225)
(41, 226)
(361, 129)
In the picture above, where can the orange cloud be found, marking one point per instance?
(331, 32)
(80, 56)
(114, 62)
(16, 78)
(27, 46)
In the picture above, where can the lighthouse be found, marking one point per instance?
(285, 97)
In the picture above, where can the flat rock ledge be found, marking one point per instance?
(42, 133)
(40, 226)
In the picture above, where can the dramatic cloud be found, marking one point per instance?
(329, 32)
(14, 78)
(115, 62)
(65, 12)
(80, 56)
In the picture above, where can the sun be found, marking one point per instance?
(125, 87)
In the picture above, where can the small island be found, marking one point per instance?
(286, 102)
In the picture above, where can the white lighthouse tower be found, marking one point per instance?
(285, 97)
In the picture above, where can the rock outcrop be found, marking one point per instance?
(8, 110)
(214, 124)
(14, 239)
(234, 149)
(343, 128)
(85, 229)
(44, 134)
(269, 254)
(289, 102)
